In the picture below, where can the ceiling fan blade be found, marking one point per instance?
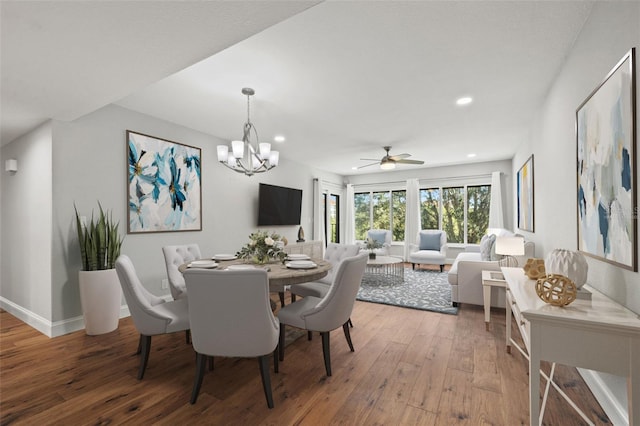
(370, 159)
(410, 161)
(367, 165)
(399, 156)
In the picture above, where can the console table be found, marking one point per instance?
(597, 334)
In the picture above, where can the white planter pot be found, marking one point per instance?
(100, 296)
(571, 264)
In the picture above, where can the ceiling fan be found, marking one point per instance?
(388, 162)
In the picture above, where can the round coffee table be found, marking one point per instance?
(388, 268)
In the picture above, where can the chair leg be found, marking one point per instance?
(201, 362)
(210, 363)
(350, 323)
(266, 378)
(188, 336)
(309, 335)
(413, 266)
(326, 352)
(276, 368)
(281, 294)
(347, 335)
(281, 343)
(293, 297)
(139, 350)
(146, 346)
(441, 268)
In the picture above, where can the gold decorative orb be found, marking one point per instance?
(534, 268)
(556, 290)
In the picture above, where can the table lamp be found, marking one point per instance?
(509, 247)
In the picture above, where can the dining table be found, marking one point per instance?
(280, 275)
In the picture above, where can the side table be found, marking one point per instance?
(490, 279)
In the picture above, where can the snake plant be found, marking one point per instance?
(99, 240)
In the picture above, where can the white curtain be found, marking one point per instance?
(350, 219)
(412, 217)
(318, 212)
(496, 210)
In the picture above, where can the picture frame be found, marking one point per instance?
(164, 192)
(525, 195)
(606, 145)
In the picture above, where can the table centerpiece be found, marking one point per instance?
(263, 247)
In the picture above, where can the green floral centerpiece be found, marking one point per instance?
(263, 247)
(371, 244)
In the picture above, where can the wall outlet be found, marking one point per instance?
(164, 284)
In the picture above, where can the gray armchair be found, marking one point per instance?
(230, 315)
(330, 312)
(175, 256)
(151, 314)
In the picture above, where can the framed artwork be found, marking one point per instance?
(163, 185)
(524, 182)
(606, 169)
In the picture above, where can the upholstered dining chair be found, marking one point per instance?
(330, 312)
(151, 314)
(175, 256)
(230, 315)
(334, 255)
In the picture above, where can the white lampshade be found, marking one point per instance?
(223, 153)
(238, 148)
(265, 150)
(255, 162)
(512, 246)
(274, 157)
(231, 162)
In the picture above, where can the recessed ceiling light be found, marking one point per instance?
(471, 155)
(464, 101)
(279, 138)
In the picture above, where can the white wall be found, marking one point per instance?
(26, 225)
(41, 257)
(609, 33)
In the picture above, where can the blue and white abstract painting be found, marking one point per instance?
(164, 185)
(607, 212)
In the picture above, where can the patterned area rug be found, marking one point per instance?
(422, 289)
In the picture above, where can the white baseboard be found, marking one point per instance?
(616, 410)
(46, 327)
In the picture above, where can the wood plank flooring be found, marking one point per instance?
(410, 367)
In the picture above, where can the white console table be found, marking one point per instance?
(597, 334)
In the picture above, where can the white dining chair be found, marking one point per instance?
(151, 314)
(174, 256)
(230, 315)
(330, 312)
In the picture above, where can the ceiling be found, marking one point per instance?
(339, 80)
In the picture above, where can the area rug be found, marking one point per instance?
(422, 289)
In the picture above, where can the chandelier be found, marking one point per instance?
(246, 157)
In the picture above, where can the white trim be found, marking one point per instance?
(615, 409)
(46, 327)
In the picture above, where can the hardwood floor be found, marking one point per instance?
(409, 367)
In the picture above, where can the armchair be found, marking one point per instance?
(430, 248)
(175, 256)
(382, 236)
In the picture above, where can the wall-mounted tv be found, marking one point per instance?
(278, 205)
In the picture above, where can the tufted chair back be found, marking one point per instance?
(334, 254)
(175, 256)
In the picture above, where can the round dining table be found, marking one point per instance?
(278, 273)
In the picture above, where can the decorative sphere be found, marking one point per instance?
(534, 268)
(571, 264)
(556, 290)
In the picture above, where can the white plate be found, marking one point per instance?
(300, 264)
(298, 257)
(224, 257)
(203, 264)
(240, 267)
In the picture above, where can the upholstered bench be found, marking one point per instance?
(430, 248)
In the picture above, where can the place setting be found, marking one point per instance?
(203, 264)
(301, 264)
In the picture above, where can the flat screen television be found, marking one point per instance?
(278, 205)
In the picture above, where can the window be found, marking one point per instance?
(462, 211)
(331, 209)
(380, 210)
